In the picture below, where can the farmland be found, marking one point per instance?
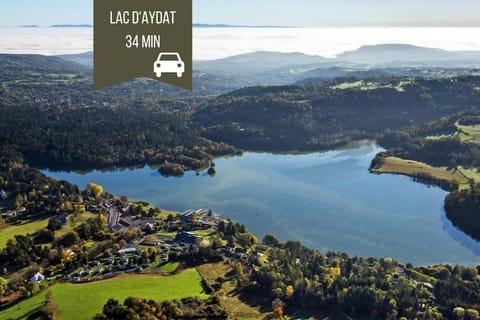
(83, 301)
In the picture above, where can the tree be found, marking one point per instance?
(3, 285)
(103, 218)
(211, 171)
(95, 189)
(70, 239)
(289, 291)
(50, 309)
(472, 314)
(277, 306)
(44, 236)
(122, 243)
(113, 310)
(270, 240)
(238, 268)
(54, 224)
(459, 312)
(31, 289)
(72, 220)
(18, 202)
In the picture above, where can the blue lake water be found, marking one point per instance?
(328, 201)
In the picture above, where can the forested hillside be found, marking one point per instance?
(99, 137)
(319, 116)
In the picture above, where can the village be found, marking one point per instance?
(155, 243)
(140, 239)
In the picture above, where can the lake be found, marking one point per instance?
(326, 200)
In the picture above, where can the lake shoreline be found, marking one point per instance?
(302, 197)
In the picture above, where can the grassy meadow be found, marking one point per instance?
(83, 301)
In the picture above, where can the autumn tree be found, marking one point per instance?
(289, 291)
(277, 306)
(95, 189)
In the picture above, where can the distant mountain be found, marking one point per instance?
(265, 67)
(71, 26)
(15, 65)
(84, 59)
(29, 26)
(258, 62)
(276, 68)
(206, 25)
(244, 64)
(401, 55)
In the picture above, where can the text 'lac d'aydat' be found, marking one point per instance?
(142, 17)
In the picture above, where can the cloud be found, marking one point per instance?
(213, 43)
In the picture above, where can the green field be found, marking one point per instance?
(30, 227)
(464, 133)
(83, 301)
(469, 133)
(412, 168)
(74, 220)
(170, 267)
(21, 229)
(165, 214)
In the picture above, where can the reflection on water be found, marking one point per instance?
(460, 236)
(326, 200)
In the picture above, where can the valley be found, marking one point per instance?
(277, 153)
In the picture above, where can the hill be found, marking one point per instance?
(19, 66)
(277, 68)
(329, 114)
(85, 58)
(258, 62)
(409, 55)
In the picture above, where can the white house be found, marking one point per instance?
(38, 277)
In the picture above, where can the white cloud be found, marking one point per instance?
(212, 43)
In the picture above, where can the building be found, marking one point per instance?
(3, 194)
(62, 216)
(151, 242)
(187, 217)
(207, 224)
(127, 250)
(188, 237)
(37, 277)
(93, 208)
(9, 214)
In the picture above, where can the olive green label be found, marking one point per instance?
(143, 38)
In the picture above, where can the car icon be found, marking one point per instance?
(169, 62)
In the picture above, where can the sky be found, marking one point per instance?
(306, 13)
